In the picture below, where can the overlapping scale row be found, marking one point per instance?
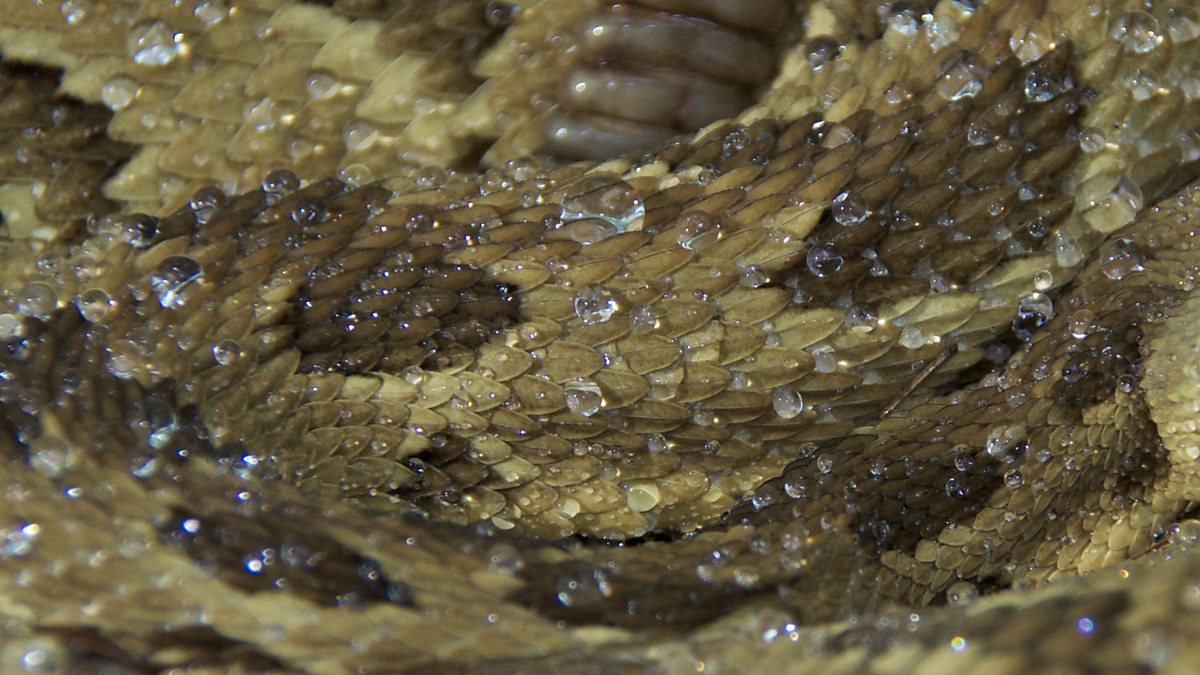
(55, 156)
(607, 350)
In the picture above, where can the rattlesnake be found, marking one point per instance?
(903, 335)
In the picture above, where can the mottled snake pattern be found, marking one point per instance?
(320, 356)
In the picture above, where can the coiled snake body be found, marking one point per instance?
(917, 329)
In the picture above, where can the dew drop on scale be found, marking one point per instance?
(1081, 323)
(1033, 311)
(174, 279)
(642, 319)
(153, 44)
(849, 209)
(278, 183)
(20, 540)
(1120, 257)
(37, 300)
(95, 306)
(962, 76)
(698, 230)
(1137, 31)
(594, 305)
(12, 327)
(583, 397)
(823, 260)
(226, 352)
(615, 202)
(787, 402)
(119, 93)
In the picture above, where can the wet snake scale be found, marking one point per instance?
(897, 372)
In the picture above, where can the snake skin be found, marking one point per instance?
(896, 372)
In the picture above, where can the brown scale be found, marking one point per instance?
(58, 143)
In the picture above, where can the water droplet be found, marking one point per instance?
(787, 402)
(119, 93)
(955, 488)
(74, 11)
(824, 464)
(823, 260)
(1183, 24)
(521, 169)
(600, 197)
(1153, 648)
(902, 23)
(37, 300)
(961, 593)
(1029, 42)
(643, 496)
(11, 327)
(504, 558)
(1137, 32)
(356, 175)
(849, 209)
(594, 305)
(962, 76)
(1126, 383)
(1091, 140)
(642, 319)
(1007, 442)
(18, 542)
(205, 203)
(145, 466)
(174, 279)
(979, 133)
(583, 586)
(154, 44)
(1044, 84)
(226, 352)
(1186, 534)
(278, 183)
(703, 417)
(1043, 280)
(656, 443)
(124, 357)
(322, 85)
(1033, 311)
(1120, 257)
(794, 486)
(912, 337)
(83, 268)
(50, 456)
(1012, 479)
(139, 230)
(698, 230)
(1144, 85)
(825, 360)
(963, 461)
(582, 397)
(160, 423)
(1066, 250)
(211, 12)
(753, 276)
(821, 50)
(309, 212)
(1081, 323)
(359, 135)
(95, 306)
